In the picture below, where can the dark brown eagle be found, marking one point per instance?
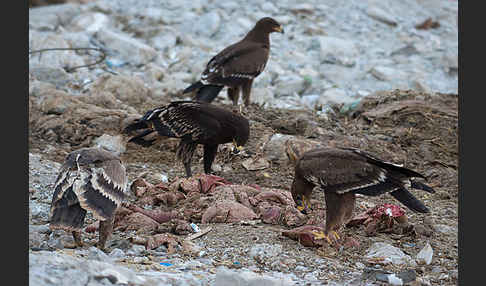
(90, 179)
(343, 172)
(194, 123)
(237, 65)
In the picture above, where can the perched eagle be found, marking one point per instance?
(90, 179)
(194, 123)
(343, 172)
(237, 65)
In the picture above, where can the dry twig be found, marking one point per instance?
(103, 56)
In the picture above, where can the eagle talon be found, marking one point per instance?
(331, 237)
(321, 235)
(335, 234)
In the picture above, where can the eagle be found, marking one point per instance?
(341, 173)
(194, 123)
(237, 65)
(90, 179)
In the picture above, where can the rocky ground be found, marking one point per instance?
(331, 80)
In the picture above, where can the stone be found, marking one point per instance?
(264, 252)
(164, 40)
(129, 49)
(94, 253)
(207, 24)
(269, 7)
(136, 250)
(425, 255)
(333, 96)
(90, 22)
(248, 278)
(37, 236)
(289, 85)
(55, 58)
(338, 51)
(130, 90)
(444, 229)
(115, 144)
(39, 211)
(48, 18)
(54, 75)
(387, 253)
(56, 268)
(381, 15)
(117, 253)
(274, 149)
(384, 73)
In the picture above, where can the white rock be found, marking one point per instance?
(445, 229)
(95, 253)
(90, 22)
(248, 278)
(54, 59)
(207, 24)
(115, 144)
(389, 253)
(260, 95)
(51, 16)
(387, 73)
(263, 251)
(164, 40)
(269, 7)
(274, 149)
(338, 51)
(117, 253)
(394, 280)
(290, 85)
(381, 15)
(56, 76)
(129, 49)
(425, 255)
(334, 95)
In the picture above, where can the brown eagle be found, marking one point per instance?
(194, 123)
(343, 172)
(90, 179)
(237, 65)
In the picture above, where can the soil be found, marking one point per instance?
(418, 130)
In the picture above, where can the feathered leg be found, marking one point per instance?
(105, 230)
(184, 152)
(209, 155)
(247, 91)
(339, 207)
(77, 238)
(234, 94)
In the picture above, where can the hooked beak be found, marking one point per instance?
(236, 149)
(279, 29)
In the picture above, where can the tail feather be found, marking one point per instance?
(409, 200)
(208, 93)
(421, 186)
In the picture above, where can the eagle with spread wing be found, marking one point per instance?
(90, 179)
(194, 123)
(341, 173)
(237, 65)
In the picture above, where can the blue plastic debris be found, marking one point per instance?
(195, 228)
(165, 264)
(111, 63)
(406, 244)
